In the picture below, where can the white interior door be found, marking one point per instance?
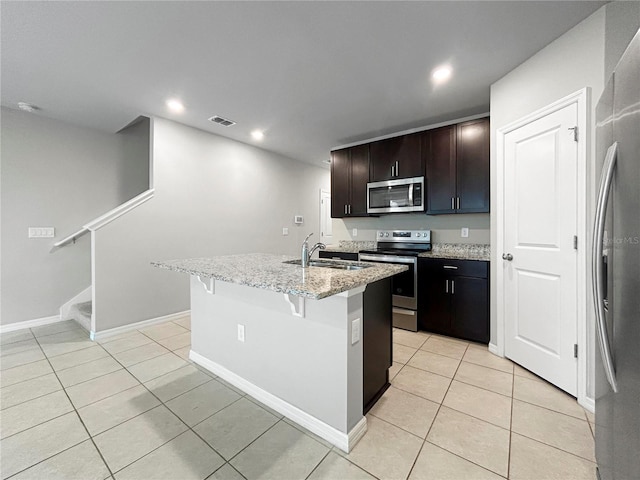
(540, 259)
(326, 225)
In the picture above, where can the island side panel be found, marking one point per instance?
(307, 362)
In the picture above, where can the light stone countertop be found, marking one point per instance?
(459, 251)
(266, 271)
(352, 246)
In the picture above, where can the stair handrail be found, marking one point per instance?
(107, 218)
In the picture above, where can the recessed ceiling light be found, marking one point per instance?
(175, 105)
(28, 107)
(441, 74)
(257, 134)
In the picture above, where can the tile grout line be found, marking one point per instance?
(415, 460)
(318, 464)
(79, 418)
(170, 411)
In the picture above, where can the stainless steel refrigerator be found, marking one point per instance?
(616, 269)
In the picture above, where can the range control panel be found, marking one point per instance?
(413, 236)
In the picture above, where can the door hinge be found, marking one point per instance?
(575, 350)
(575, 133)
(575, 242)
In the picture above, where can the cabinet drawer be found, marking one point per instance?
(466, 268)
(338, 255)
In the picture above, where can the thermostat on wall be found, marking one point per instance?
(298, 219)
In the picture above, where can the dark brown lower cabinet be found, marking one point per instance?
(453, 298)
(376, 334)
(377, 341)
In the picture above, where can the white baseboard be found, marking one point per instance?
(588, 403)
(343, 441)
(137, 325)
(493, 348)
(10, 327)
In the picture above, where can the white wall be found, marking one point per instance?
(213, 196)
(61, 176)
(578, 59)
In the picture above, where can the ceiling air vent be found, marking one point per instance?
(222, 121)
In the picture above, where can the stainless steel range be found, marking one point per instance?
(402, 247)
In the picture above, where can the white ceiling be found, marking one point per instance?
(312, 74)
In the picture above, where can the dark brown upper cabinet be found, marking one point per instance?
(457, 167)
(397, 157)
(349, 177)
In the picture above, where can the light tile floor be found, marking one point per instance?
(134, 407)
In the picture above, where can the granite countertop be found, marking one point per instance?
(268, 272)
(459, 251)
(352, 246)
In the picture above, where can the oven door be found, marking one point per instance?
(405, 284)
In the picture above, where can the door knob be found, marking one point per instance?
(507, 256)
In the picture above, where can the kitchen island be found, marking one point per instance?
(288, 336)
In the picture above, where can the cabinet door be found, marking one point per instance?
(441, 170)
(397, 157)
(470, 310)
(340, 176)
(434, 302)
(472, 166)
(359, 180)
(376, 340)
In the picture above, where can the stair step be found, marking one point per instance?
(81, 313)
(84, 308)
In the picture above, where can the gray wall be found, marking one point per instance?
(570, 63)
(61, 176)
(583, 57)
(213, 196)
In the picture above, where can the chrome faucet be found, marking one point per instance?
(306, 253)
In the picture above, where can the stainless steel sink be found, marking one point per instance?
(334, 265)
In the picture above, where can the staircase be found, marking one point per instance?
(81, 313)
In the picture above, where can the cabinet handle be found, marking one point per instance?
(457, 203)
(392, 170)
(446, 286)
(397, 169)
(450, 267)
(345, 209)
(453, 204)
(453, 287)
(349, 209)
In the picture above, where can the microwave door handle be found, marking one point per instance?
(411, 194)
(597, 274)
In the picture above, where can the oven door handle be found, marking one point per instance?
(388, 259)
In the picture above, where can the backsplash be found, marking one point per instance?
(444, 228)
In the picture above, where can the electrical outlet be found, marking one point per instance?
(285, 231)
(355, 331)
(464, 232)
(354, 232)
(240, 333)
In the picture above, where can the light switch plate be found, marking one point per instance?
(41, 232)
(464, 232)
(285, 231)
(354, 232)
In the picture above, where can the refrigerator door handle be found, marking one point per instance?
(597, 276)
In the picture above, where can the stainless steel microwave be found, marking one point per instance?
(396, 196)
